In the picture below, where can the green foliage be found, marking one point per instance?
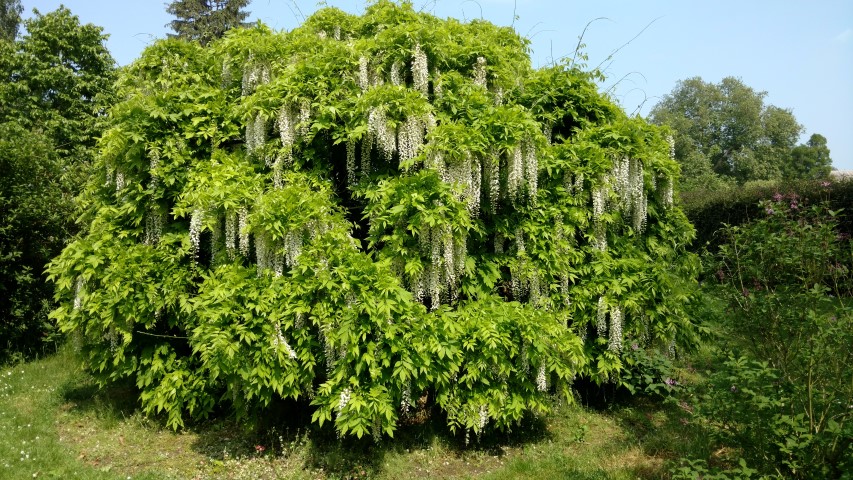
(785, 401)
(34, 209)
(206, 20)
(724, 134)
(368, 211)
(57, 80)
(709, 210)
(10, 18)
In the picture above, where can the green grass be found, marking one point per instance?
(55, 423)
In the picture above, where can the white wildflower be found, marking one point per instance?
(230, 233)
(601, 317)
(153, 225)
(484, 417)
(406, 401)
(667, 192)
(480, 72)
(542, 378)
(386, 138)
(344, 399)
(615, 341)
(279, 341)
(420, 71)
(396, 78)
(242, 231)
(78, 293)
(363, 78)
(195, 230)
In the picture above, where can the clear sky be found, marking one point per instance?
(800, 53)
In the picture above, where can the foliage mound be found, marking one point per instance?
(710, 211)
(367, 212)
(56, 84)
(782, 392)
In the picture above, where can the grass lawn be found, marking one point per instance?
(55, 423)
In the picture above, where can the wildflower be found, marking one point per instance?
(484, 417)
(733, 389)
(825, 184)
(769, 211)
(777, 197)
(615, 340)
(195, 230)
(396, 78)
(601, 317)
(363, 78)
(541, 378)
(635, 347)
(242, 232)
(420, 71)
(670, 382)
(480, 72)
(259, 448)
(406, 400)
(346, 394)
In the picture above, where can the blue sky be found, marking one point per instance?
(800, 53)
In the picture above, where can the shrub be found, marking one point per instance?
(366, 211)
(710, 211)
(785, 400)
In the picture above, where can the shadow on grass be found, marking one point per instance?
(286, 429)
(114, 402)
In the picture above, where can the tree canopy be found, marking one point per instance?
(10, 19)
(57, 80)
(725, 133)
(206, 20)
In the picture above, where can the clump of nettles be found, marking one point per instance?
(372, 213)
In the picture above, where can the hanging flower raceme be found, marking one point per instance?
(485, 189)
(420, 71)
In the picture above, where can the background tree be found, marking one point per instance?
(56, 82)
(206, 20)
(810, 160)
(10, 19)
(725, 134)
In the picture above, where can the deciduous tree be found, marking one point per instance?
(726, 134)
(56, 82)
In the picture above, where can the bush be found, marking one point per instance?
(34, 209)
(784, 401)
(366, 211)
(709, 211)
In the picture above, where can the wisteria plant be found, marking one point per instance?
(367, 211)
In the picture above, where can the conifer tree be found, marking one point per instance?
(206, 20)
(10, 18)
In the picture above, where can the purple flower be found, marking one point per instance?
(670, 382)
(794, 205)
(770, 211)
(635, 347)
(777, 197)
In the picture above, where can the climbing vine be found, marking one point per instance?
(367, 211)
